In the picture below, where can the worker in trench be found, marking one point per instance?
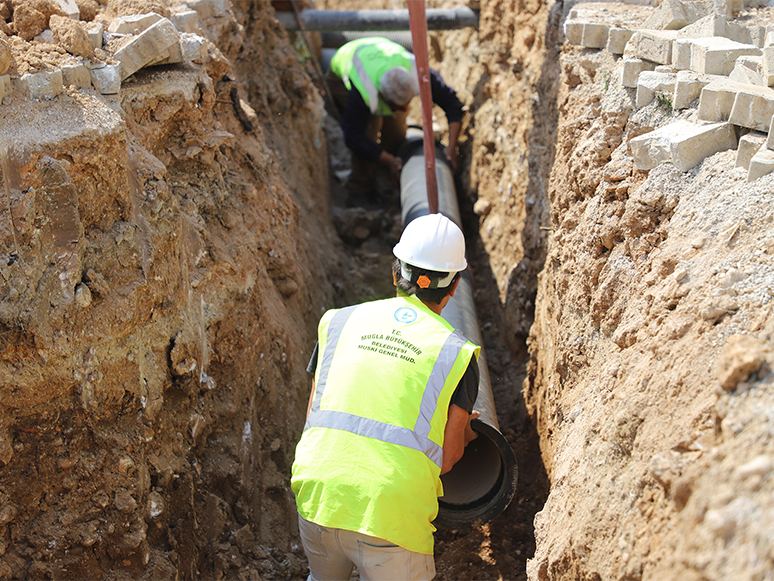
(372, 81)
(390, 411)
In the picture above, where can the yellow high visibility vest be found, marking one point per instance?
(370, 457)
(362, 63)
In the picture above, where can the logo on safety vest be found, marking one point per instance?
(405, 315)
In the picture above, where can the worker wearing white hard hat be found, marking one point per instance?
(390, 411)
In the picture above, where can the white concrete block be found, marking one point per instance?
(194, 48)
(649, 84)
(754, 63)
(94, 31)
(652, 45)
(767, 66)
(688, 86)
(748, 146)
(761, 164)
(6, 88)
(631, 69)
(698, 9)
(669, 15)
(134, 23)
(683, 143)
(710, 25)
(681, 53)
(208, 8)
(586, 34)
(746, 75)
(173, 55)
(594, 35)
(617, 39)
(106, 78)
(757, 36)
(70, 8)
(739, 33)
(770, 138)
(43, 85)
(717, 99)
(665, 69)
(77, 76)
(717, 55)
(146, 47)
(186, 21)
(753, 107)
(573, 31)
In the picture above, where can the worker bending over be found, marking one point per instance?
(390, 410)
(373, 80)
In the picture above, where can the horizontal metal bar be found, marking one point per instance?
(378, 20)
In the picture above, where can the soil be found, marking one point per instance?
(167, 252)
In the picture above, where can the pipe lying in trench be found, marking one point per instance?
(377, 20)
(483, 482)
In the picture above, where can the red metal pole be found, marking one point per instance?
(418, 23)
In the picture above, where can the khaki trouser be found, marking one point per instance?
(333, 552)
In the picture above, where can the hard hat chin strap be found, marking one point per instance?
(414, 277)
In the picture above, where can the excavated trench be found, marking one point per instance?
(167, 251)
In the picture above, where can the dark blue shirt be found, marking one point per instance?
(357, 115)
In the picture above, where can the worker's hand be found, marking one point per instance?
(470, 435)
(394, 163)
(451, 155)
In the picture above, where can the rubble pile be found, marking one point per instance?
(101, 52)
(697, 56)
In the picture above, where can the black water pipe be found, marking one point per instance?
(378, 20)
(483, 482)
(339, 39)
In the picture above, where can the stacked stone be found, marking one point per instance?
(686, 51)
(144, 40)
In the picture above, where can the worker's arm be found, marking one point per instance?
(311, 399)
(446, 98)
(354, 124)
(394, 163)
(451, 149)
(457, 435)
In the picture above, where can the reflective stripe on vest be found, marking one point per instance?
(416, 439)
(368, 84)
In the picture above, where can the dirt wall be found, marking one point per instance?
(161, 282)
(650, 373)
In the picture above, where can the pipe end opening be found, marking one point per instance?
(481, 485)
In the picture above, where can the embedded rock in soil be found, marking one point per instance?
(70, 35)
(5, 54)
(741, 357)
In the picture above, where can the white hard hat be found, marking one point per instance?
(432, 242)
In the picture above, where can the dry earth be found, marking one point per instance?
(166, 254)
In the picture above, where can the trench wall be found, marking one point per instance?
(160, 286)
(650, 381)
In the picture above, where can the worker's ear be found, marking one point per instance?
(454, 287)
(394, 280)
